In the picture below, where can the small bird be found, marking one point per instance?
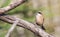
(40, 20)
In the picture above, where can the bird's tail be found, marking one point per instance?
(43, 27)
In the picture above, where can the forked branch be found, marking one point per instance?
(22, 23)
(12, 27)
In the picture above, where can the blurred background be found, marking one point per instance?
(27, 11)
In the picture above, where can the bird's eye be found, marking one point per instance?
(39, 12)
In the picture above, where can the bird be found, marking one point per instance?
(40, 19)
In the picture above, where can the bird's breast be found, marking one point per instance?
(39, 19)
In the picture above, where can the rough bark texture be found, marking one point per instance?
(10, 19)
(11, 6)
(34, 28)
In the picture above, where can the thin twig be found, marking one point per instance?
(12, 27)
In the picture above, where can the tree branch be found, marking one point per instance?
(22, 23)
(12, 27)
(12, 5)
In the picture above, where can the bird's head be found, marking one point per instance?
(38, 14)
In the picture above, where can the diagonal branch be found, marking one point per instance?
(10, 19)
(11, 6)
(27, 25)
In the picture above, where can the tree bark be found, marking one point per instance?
(32, 27)
(22, 23)
(11, 6)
